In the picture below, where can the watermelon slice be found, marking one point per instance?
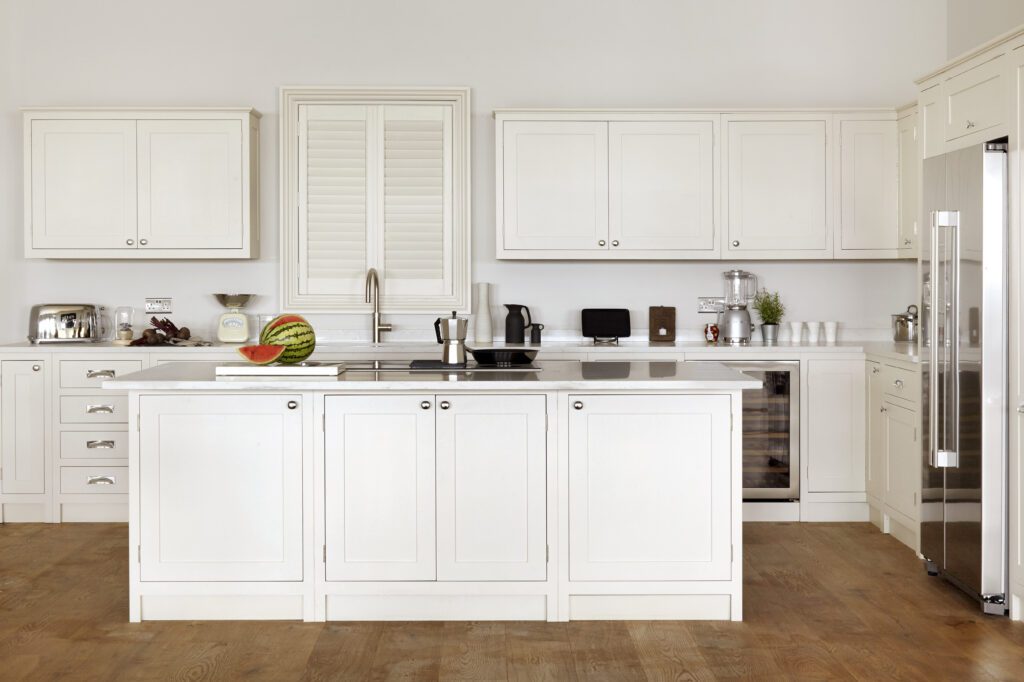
(262, 354)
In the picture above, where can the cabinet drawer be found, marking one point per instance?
(94, 480)
(976, 100)
(94, 445)
(92, 373)
(901, 383)
(94, 409)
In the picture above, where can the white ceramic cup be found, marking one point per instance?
(813, 332)
(831, 332)
(796, 332)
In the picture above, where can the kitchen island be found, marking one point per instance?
(578, 491)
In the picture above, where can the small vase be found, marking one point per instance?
(770, 333)
(482, 332)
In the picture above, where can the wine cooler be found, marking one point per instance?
(771, 431)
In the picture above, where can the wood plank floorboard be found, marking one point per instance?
(830, 601)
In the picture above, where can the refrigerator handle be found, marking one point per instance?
(953, 327)
(946, 455)
(933, 347)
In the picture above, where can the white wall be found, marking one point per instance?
(659, 53)
(973, 22)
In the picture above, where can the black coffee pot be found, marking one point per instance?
(515, 325)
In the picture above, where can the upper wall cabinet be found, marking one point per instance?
(689, 185)
(606, 185)
(375, 178)
(910, 181)
(154, 183)
(777, 186)
(868, 192)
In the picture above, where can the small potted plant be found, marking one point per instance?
(770, 308)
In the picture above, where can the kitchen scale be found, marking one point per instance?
(233, 326)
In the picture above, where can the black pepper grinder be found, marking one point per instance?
(535, 330)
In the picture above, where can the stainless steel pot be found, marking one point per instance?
(906, 326)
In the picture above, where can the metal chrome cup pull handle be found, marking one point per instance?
(99, 409)
(577, 405)
(97, 373)
(99, 444)
(101, 480)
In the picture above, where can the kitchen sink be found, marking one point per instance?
(403, 366)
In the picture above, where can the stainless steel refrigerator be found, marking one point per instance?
(964, 356)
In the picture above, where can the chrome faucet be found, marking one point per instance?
(373, 296)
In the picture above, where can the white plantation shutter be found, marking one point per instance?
(416, 200)
(333, 198)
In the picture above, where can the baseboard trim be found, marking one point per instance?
(436, 607)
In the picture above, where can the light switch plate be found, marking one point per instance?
(158, 305)
(709, 304)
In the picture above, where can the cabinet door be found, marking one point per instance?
(903, 460)
(23, 426)
(661, 186)
(190, 184)
(649, 487)
(491, 488)
(83, 184)
(835, 426)
(221, 482)
(555, 185)
(910, 185)
(976, 102)
(876, 434)
(777, 188)
(379, 488)
(931, 109)
(868, 186)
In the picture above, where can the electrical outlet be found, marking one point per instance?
(158, 305)
(709, 304)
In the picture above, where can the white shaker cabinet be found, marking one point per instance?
(554, 186)
(649, 487)
(662, 186)
(910, 183)
(226, 476)
(868, 191)
(777, 186)
(191, 189)
(835, 426)
(23, 426)
(875, 473)
(136, 184)
(379, 487)
(80, 185)
(903, 461)
(491, 487)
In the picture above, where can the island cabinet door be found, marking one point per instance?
(649, 487)
(379, 487)
(221, 487)
(491, 487)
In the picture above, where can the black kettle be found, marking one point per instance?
(515, 325)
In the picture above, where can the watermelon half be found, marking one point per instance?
(263, 354)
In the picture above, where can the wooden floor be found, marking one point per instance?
(823, 601)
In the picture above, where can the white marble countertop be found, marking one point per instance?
(553, 375)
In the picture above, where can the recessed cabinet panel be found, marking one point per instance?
(868, 180)
(81, 184)
(649, 487)
(379, 488)
(225, 477)
(876, 474)
(23, 426)
(777, 188)
(903, 460)
(555, 192)
(661, 193)
(976, 100)
(910, 185)
(491, 488)
(835, 426)
(190, 184)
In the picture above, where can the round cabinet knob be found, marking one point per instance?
(444, 404)
(143, 242)
(130, 242)
(425, 405)
(577, 405)
(36, 368)
(292, 404)
(601, 242)
(735, 242)
(615, 242)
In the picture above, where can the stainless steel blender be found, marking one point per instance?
(734, 323)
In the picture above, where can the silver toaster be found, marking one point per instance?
(66, 323)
